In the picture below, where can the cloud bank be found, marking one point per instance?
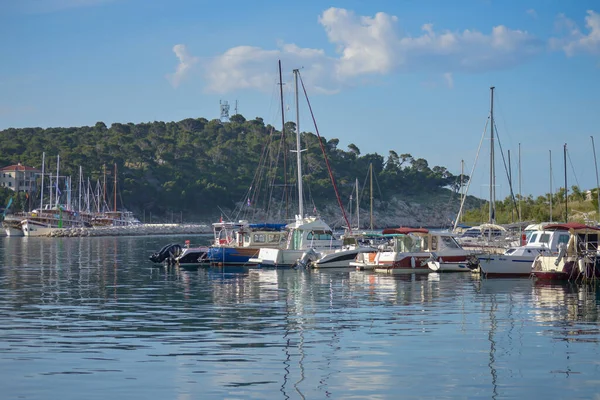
(368, 47)
(576, 41)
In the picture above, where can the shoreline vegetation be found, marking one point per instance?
(201, 170)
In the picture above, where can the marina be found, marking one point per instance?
(93, 315)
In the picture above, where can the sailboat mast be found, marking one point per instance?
(115, 194)
(462, 173)
(371, 192)
(520, 193)
(283, 143)
(104, 186)
(492, 211)
(566, 187)
(298, 149)
(57, 170)
(597, 182)
(357, 207)
(550, 185)
(42, 184)
(512, 209)
(80, 186)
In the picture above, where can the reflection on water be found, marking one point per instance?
(80, 312)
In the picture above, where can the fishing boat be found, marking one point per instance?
(577, 260)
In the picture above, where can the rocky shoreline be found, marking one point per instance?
(134, 230)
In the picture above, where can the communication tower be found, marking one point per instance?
(224, 111)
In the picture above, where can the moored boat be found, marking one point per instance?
(410, 249)
(577, 260)
(517, 261)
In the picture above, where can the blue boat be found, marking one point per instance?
(236, 242)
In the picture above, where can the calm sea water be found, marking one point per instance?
(91, 318)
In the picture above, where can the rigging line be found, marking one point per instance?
(512, 195)
(337, 195)
(572, 168)
(462, 203)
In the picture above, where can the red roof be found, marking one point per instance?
(404, 230)
(569, 225)
(18, 167)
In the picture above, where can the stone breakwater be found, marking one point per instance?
(134, 230)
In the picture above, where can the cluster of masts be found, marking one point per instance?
(90, 198)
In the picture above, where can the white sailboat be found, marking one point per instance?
(306, 232)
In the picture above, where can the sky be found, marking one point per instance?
(404, 75)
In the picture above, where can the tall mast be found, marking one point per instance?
(512, 209)
(104, 186)
(57, 170)
(80, 185)
(42, 185)
(357, 207)
(492, 211)
(283, 142)
(566, 187)
(550, 185)
(520, 193)
(597, 182)
(298, 149)
(462, 172)
(115, 194)
(371, 192)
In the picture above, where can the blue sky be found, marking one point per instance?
(412, 76)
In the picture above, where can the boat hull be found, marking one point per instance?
(32, 228)
(339, 259)
(458, 266)
(505, 265)
(231, 255)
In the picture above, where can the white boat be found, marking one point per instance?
(304, 234)
(12, 224)
(517, 261)
(45, 221)
(410, 249)
(454, 266)
(352, 246)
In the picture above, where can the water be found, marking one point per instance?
(91, 318)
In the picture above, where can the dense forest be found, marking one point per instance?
(197, 167)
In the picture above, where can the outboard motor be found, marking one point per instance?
(307, 257)
(167, 253)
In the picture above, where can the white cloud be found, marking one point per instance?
(372, 46)
(577, 42)
(449, 79)
(531, 12)
(186, 61)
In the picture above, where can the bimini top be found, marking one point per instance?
(576, 226)
(404, 231)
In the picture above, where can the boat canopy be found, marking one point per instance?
(404, 231)
(573, 227)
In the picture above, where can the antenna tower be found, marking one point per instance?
(224, 111)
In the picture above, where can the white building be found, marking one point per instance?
(19, 178)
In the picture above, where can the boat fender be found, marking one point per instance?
(413, 262)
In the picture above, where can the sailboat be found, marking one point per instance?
(307, 234)
(489, 237)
